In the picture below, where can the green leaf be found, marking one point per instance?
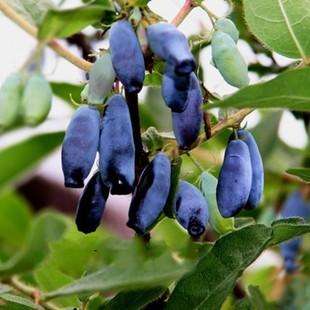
(15, 217)
(288, 90)
(152, 272)
(280, 25)
(15, 160)
(286, 229)
(64, 23)
(210, 282)
(153, 79)
(70, 257)
(207, 285)
(302, 173)
(32, 11)
(45, 228)
(23, 302)
(67, 91)
(133, 300)
(49, 278)
(208, 185)
(173, 235)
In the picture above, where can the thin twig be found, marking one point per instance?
(33, 31)
(184, 11)
(141, 158)
(30, 291)
(232, 121)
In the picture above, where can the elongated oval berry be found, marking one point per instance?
(191, 209)
(186, 125)
(226, 25)
(127, 57)
(10, 99)
(91, 205)
(101, 79)
(150, 195)
(175, 89)
(235, 179)
(295, 205)
(116, 149)
(168, 43)
(80, 146)
(228, 60)
(37, 99)
(257, 186)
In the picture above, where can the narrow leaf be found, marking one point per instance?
(67, 91)
(46, 228)
(302, 173)
(15, 160)
(288, 228)
(207, 286)
(64, 23)
(25, 303)
(289, 90)
(133, 300)
(153, 272)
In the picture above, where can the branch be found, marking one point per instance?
(233, 120)
(185, 10)
(141, 158)
(53, 44)
(31, 292)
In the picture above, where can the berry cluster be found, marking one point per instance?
(109, 132)
(241, 179)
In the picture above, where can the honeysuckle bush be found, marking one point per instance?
(46, 263)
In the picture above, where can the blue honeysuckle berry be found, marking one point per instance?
(175, 89)
(257, 186)
(191, 209)
(80, 146)
(186, 125)
(150, 195)
(91, 205)
(127, 57)
(168, 43)
(235, 179)
(116, 147)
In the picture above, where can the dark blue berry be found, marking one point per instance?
(116, 149)
(235, 179)
(150, 195)
(191, 209)
(295, 205)
(127, 57)
(257, 186)
(168, 43)
(80, 146)
(91, 205)
(186, 125)
(175, 89)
